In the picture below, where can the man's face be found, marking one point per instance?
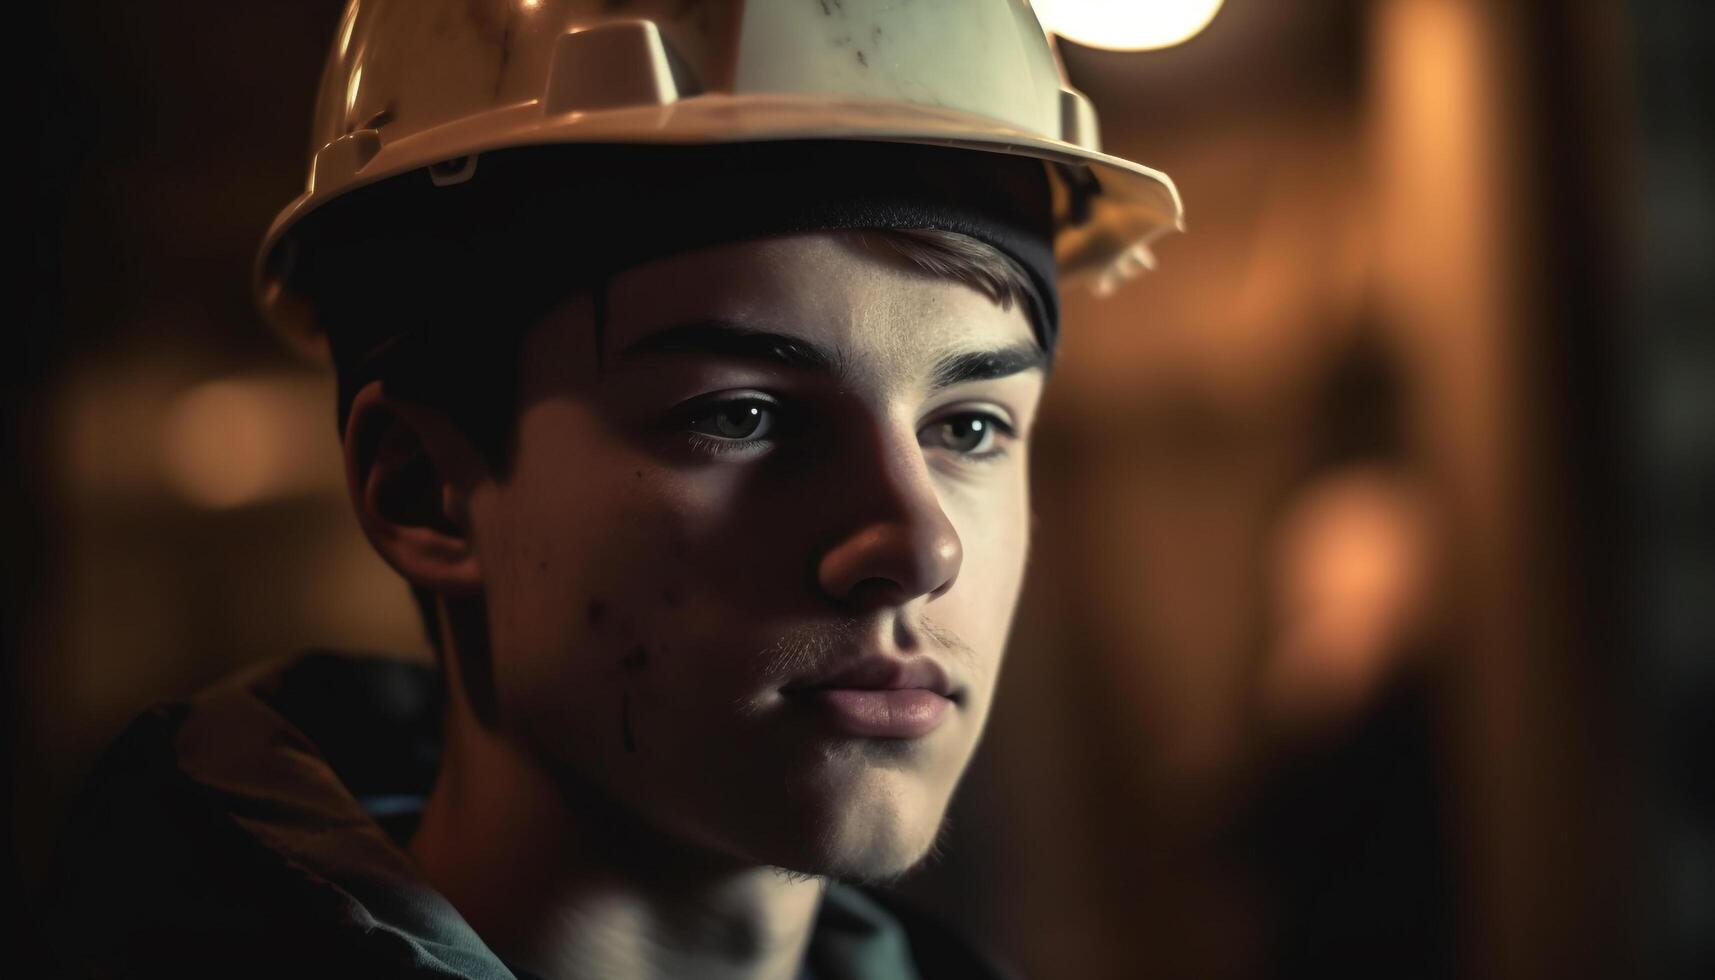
(702, 524)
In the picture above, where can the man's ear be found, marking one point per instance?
(409, 472)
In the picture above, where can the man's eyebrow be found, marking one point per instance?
(725, 338)
(987, 365)
(728, 339)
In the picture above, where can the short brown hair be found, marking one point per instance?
(976, 263)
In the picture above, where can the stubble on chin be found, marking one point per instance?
(873, 870)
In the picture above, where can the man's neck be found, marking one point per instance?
(568, 885)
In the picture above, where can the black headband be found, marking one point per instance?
(529, 226)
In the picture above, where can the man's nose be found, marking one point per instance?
(897, 544)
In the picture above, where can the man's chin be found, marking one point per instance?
(866, 855)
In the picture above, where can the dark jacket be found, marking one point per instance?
(256, 831)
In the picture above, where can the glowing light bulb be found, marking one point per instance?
(1126, 25)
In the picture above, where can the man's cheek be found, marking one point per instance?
(755, 559)
(625, 651)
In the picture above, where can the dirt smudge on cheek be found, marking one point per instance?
(597, 612)
(635, 661)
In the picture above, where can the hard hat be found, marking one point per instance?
(414, 85)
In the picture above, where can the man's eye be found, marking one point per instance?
(971, 434)
(738, 421)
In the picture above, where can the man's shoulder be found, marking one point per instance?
(148, 874)
(214, 836)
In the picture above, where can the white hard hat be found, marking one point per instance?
(415, 84)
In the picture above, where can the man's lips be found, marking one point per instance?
(907, 712)
(878, 672)
(878, 696)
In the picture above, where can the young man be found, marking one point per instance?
(691, 395)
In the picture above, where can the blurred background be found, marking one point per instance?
(1371, 622)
